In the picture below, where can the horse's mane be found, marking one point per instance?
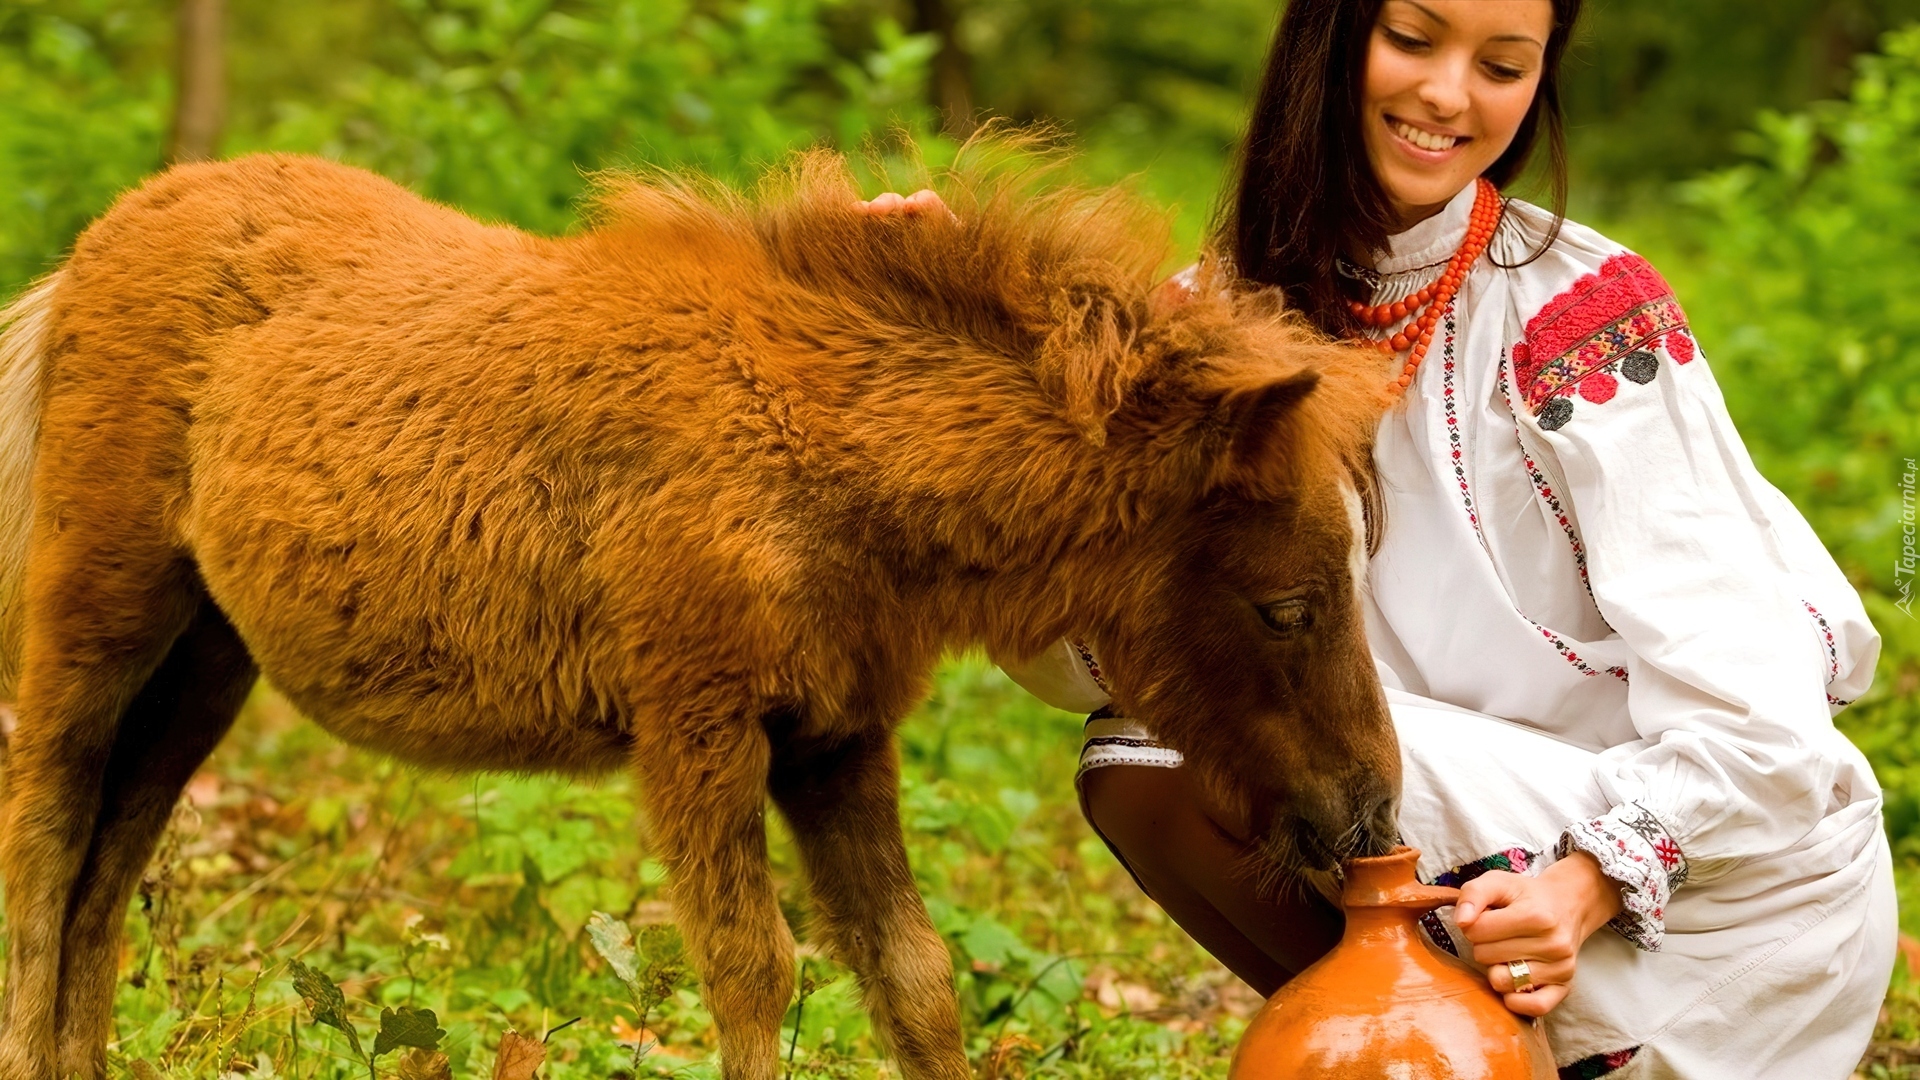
(1028, 265)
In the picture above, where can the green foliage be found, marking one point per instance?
(648, 987)
(1658, 91)
(507, 104)
(75, 130)
(424, 898)
(502, 107)
(325, 1003)
(407, 1026)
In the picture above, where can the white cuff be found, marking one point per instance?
(1638, 853)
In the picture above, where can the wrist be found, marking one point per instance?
(1591, 892)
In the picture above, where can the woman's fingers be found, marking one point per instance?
(1493, 890)
(888, 203)
(1544, 973)
(1525, 918)
(1540, 1002)
(1543, 947)
(924, 201)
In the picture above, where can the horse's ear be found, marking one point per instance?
(1259, 414)
(1089, 353)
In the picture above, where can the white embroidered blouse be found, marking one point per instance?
(1577, 540)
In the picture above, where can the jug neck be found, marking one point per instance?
(1387, 886)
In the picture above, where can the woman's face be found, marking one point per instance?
(1448, 83)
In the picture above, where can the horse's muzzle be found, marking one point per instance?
(1344, 822)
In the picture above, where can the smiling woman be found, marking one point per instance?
(1609, 646)
(1333, 162)
(1446, 93)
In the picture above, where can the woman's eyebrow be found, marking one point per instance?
(1441, 19)
(1428, 12)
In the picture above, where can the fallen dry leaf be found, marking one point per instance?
(418, 1064)
(1003, 1058)
(1104, 985)
(520, 1057)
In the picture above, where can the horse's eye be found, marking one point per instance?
(1286, 616)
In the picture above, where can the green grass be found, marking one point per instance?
(470, 896)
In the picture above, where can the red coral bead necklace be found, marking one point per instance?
(1420, 312)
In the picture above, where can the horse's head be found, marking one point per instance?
(1232, 624)
(1181, 476)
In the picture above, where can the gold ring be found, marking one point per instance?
(1522, 977)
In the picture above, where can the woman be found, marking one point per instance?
(1611, 648)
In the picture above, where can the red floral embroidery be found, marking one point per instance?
(1092, 665)
(1566, 653)
(1636, 851)
(1826, 634)
(1455, 449)
(1599, 387)
(1833, 653)
(1599, 1065)
(1587, 329)
(1552, 501)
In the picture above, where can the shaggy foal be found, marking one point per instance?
(704, 492)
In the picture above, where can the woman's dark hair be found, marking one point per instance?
(1305, 193)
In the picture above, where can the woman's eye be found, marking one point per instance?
(1505, 74)
(1287, 616)
(1403, 42)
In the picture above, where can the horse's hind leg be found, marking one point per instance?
(99, 623)
(704, 785)
(844, 807)
(174, 723)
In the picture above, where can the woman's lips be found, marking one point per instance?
(1422, 144)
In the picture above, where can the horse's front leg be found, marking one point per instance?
(704, 784)
(843, 805)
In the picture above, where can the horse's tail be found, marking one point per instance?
(23, 350)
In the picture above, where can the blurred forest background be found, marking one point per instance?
(1765, 155)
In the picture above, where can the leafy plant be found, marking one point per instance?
(648, 986)
(405, 1026)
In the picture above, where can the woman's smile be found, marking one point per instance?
(1424, 144)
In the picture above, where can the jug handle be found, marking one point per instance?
(1414, 896)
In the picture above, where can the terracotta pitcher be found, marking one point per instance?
(1386, 1003)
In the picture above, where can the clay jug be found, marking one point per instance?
(1387, 1003)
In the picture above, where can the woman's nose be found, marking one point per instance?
(1445, 90)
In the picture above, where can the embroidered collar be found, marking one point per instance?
(1430, 243)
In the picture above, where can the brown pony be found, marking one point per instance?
(703, 492)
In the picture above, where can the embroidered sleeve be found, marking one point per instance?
(1732, 753)
(1640, 855)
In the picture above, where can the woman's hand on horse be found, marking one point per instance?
(924, 201)
(1543, 920)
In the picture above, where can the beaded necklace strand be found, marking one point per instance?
(1421, 311)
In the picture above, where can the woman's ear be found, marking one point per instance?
(1259, 414)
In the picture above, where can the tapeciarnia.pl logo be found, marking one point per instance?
(1904, 566)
